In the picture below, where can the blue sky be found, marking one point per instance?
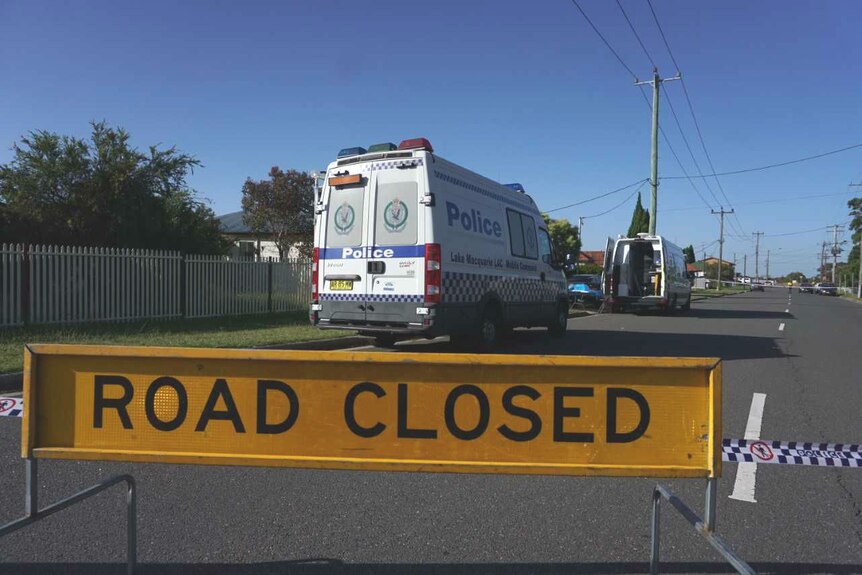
(517, 91)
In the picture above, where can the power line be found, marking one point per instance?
(619, 204)
(600, 196)
(666, 45)
(735, 218)
(775, 201)
(626, 16)
(685, 140)
(770, 166)
(596, 30)
(797, 233)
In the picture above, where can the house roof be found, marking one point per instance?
(592, 257)
(232, 224)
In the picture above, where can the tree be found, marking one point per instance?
(103, 193)
(711, 271)
(690, 258)
(798, 277)
(855, 206)
(282, 207)
(640, 219)
(565, 237)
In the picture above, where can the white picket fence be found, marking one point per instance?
(60, 284)
(11, 270)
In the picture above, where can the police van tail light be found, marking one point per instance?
(433, 273)
(315, 263)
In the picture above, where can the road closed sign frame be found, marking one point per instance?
(555, 415)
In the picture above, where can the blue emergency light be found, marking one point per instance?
(357, 151)
(517, 187)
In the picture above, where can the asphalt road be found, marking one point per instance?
(253, 521)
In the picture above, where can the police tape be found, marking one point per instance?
(11, 407)
(791, 453)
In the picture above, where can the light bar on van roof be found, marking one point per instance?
(358, 150)
(517, 187)
(385, 147)
(345, 180)
(415, 143)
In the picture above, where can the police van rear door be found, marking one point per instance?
(344, 286)
(396, 266)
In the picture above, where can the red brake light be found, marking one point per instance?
(415, 143)
(433, 273)
(315, 262)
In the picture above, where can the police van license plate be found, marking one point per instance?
(339, 285)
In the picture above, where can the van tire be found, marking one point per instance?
(561, 321)
(687, 305)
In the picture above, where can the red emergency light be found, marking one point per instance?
(416, 144)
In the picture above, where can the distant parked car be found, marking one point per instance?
(806, 288)
(586, 289)
(826, 288)
(756, 287)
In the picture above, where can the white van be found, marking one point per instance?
(407, 243)
(646, 272)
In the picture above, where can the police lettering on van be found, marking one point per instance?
(431, 249)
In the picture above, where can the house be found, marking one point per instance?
(247, 244)
(697, 268)
(592, 257)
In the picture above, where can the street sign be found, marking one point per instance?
(657, 417)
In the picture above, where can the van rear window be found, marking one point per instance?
(344, 221)
(522, 235)
(397, 217)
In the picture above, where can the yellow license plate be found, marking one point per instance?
(338, 285)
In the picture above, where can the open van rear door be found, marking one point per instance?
(607, 270)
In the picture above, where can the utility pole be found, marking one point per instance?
(721, 213)
(823, 260)
(859, 284)
(745, 265)
(836, 249)
(767, 264)
(757, 256)
(580, 237)
(655, 83)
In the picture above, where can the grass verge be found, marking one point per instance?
(236, 331)
(710, 293)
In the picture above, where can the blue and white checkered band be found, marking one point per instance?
(372, 297)
(792, 453)
(462, 287)
(392, 164)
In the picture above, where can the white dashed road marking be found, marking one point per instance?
(781, 327)
(746, 473)
(787, 311)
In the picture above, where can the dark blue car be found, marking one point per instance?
(586, 289)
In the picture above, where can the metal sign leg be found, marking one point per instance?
(32, 513)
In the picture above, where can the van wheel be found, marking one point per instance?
(385, 340)
(489, 331)
(687, 306)
(561, 322)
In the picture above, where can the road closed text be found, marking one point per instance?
(383, 411)
(367, 410)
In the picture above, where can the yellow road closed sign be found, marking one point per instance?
(657, 417)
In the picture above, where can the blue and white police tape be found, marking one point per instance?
(792, 452)
(11, 407)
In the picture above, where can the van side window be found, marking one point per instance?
(522, 235)
(344, 220)
(516, 234)
(545, 246)
(397, 216)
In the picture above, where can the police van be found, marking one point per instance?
(409, 244)
(645, 272)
